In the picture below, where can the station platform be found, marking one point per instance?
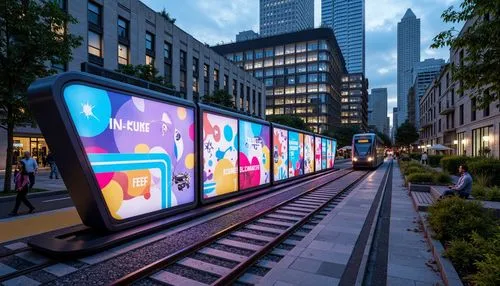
(28, 225)
(336, 251)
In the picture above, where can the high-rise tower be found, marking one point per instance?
(280, 17)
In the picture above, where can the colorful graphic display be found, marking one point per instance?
(220, 155)
(317, 153)
(280, 154)
(334, 152)
(294, 150)
(323, 153)
(254, 156)
(141, 151)
(329, 161)
(301, 153)
(308, 154)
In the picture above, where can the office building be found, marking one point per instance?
(129, 32)
(354, 98)
(246, 35)
(347, 19)
(408, 55)
(450, 117)
(285, 16)
(394, 123)
(377, 103)
(423, 74)
(301, 73)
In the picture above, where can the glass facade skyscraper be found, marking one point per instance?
(347, 19)
(285, 16)
(408, 56)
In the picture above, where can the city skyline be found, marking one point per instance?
(213, 21)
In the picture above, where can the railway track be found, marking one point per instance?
(251, 247)
(24, 261)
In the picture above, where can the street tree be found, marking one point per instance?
(385, 139)
(479, 70)
(32, 34)
(219, 97)
(406, 134)
(289, 120)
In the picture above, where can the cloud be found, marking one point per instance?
(226, 13)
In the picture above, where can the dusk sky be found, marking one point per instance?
(216, 21)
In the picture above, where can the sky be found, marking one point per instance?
(218, 21)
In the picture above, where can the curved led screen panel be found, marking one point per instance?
(220, 155)
(295, 153)
(280, 154)
(323, 153)
(329, 161)
(334, 151)
(254, 156)
(308, 154)
(127, 155)
(317, 153)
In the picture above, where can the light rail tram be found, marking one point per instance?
(367, 151)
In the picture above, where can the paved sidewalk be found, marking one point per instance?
(410, 260)
(321, 258)
(42, 181)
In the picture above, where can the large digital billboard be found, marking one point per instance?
(294, 167)
(254, 157)
(317, 153)
(301, 153)
(308, 154)
(220, 155)
(329, 161)
(323, 153)
(141, 151)
(280, 154)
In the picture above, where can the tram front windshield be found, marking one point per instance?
(362, 146)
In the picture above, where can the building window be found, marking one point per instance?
(122, 54)
(183, 60)
(473, 109)
(149, 42)
(150, 60)
(183, 80)
(290, 49)
(481, 140)
(259, 54)
(167, 51)
(195, 84)
(486, 111)
(122, 28)
(269, 52)
(168, 73)
(94, 14)
(95, 44)
(461, 115)
(195, 67)
(249, 55)
(216, 77)
(312, 46)
(226, 83)
(278, 51)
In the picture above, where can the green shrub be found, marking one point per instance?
(463, 254)
(486, 167)
(450, 164)
(493, 194)
(414, 169)
(434, 160)
(454, 218)
(488, 271)
(441, 178)
(415, 156)
(422, 177)
(478, 192)
(482, 180)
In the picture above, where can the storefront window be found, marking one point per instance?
(481, 141)
(36, 146)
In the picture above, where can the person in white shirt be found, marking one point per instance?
(31, 167)
(424, 158)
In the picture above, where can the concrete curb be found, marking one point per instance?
(446, 269)
(35, 195)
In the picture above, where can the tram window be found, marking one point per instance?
(362, 146)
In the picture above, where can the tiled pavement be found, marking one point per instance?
(321, 257)
(410, 261)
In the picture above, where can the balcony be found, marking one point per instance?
(448, 109)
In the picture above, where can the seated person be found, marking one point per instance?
(463, 187)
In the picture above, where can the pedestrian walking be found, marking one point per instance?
(51, 160)
(31, 167)
(424, 158)
(22, 182)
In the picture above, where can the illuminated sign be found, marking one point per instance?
(294, 167)
(323, 154)
(308, 154)
(220, 155)
(317, 153)
(280, 154)
(141, 151)
(362, 141)
(254, 156)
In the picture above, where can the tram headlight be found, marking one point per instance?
(355, 159)
(370, 159)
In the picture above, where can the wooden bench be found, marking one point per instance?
(422, 200)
